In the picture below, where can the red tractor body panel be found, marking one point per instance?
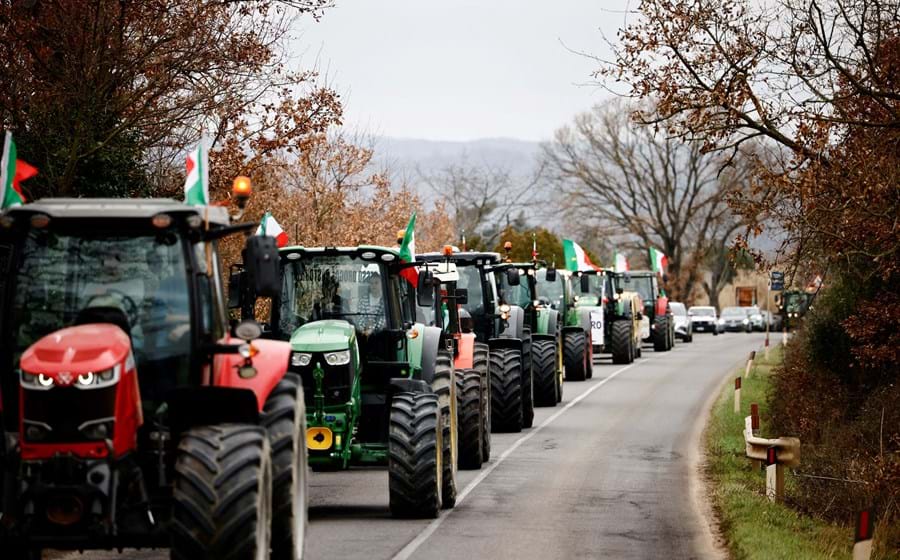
(465, 358)
(662, 305)
(270, 361)
(63, 356)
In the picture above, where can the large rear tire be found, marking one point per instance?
(506, 390)
(481, 364)
(545, 391)
(284, 418)
(527, 379)
(574, 352)
(414, 456)
(222, 494)
(444, 384)
(468, 387)
(621, 342)
(660, 333)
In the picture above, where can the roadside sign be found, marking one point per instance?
(777, 276)
(777, 286)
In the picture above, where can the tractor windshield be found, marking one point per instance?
(552, 293)
(135, 281)
(333, 287)
(516, 295)
(470, 279)
(594, 291)
(643, 285)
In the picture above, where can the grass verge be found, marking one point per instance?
(753, 527)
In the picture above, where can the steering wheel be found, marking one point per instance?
(131, 308)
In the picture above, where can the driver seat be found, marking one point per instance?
(104, 314)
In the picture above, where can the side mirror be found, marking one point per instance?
(235, 283)
(551, 275)
(425, 289)
(512, 276)
(262, 266)
(639, 316)
(462, 296)
(585, 284)
(619, 290)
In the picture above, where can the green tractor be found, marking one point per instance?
(793, 306)
(379, 385)
(577, 356)
(472, 384)
(656, 306)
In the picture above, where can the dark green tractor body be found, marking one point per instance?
(656, 306)
(373, 377)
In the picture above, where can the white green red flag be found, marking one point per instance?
(269, 226)
(534, 251)
(658, 260)
(408, 252)
(196, 185)
(620, 263)
(12, 172)
(576, 259)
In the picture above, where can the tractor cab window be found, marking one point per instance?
(595, 292)
(643, 285)
(138, 282)
(470, 279)
(551, 293)
(342, 287)
(515, 295)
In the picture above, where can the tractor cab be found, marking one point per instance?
(656, 306)
(117, 344)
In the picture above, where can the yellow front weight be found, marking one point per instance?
(319, 438)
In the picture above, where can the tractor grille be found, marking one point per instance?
(69, 415)
(336, 384)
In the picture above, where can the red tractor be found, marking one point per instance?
(134, 413)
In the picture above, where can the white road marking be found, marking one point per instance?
(414, 544)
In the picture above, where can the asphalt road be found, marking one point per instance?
(611, 473)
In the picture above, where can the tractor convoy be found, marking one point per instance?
(142, 406)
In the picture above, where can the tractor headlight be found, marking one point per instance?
(338, 358)
(38, 381)
(99, 379)
(300, 359)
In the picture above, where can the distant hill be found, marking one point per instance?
(409, 155)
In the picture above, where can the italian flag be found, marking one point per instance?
(576, 259)
(658, 260)
(268, 226)
(12, 172)
(408, 252)
(620, 262)
(196, 185)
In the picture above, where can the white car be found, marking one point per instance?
(704, 319)
(683, 327)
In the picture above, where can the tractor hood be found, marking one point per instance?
(67, 353)
(323, 336)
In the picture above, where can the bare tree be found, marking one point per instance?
(641, 188)
(484, 199)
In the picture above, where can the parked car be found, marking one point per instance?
(704, 319)
(757, 322)
(683, 327)
(735, 319)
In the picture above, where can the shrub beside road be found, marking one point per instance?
(753, 527)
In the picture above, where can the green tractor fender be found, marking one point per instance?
(548, 324)
(422, 350)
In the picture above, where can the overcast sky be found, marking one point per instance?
(461, 69)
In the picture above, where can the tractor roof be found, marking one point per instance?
(118, 208)
(366, 252)
(464, 258)
(641, 273)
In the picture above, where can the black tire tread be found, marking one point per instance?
(506, 390)
(444, 384)
(470, 425)
(481, 364)
(621, 341)
(573, 355)
(413, 457)
(544, 352)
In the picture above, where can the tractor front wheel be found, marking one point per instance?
(414, 456)
(468, 387)
(527, 379)
(284, 417)
(223, 493)
(574, 352)
(444, 384)
(545, 390)
(621, 336)
(481, 364)
(506, 390)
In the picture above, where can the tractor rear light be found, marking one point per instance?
(161, 221)
(605, 300)
(40, 221)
